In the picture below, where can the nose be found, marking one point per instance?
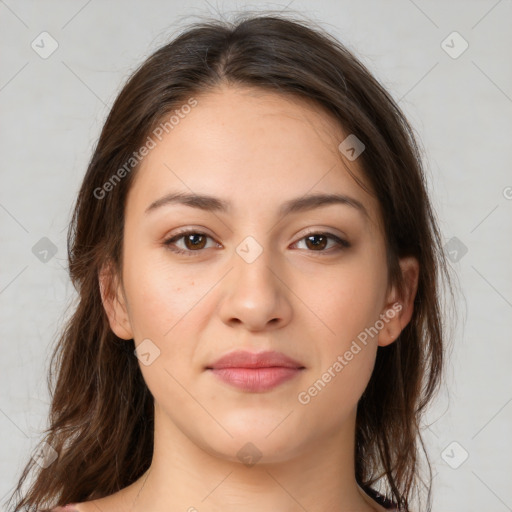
(255, 295)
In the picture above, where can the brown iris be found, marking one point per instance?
(316, 245)
(191, 241)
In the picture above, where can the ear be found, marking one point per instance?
(399, 308)
(114, 302)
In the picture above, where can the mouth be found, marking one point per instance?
(255, 372)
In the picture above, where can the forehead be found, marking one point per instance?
(256, 147)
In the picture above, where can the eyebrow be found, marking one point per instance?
(215, 204)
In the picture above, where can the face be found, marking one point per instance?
(261, 267)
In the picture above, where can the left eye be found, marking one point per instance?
(320, 241)
(196, 241)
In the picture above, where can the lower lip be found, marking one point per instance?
(256, 379)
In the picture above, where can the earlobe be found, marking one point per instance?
(392, 324)
(114, 302)
(399, 308)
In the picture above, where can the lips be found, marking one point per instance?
(245, 359)
(255, 372)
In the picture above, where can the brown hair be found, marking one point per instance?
(101, 416)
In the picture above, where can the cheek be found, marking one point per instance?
(346, 355)
(170, 307)
(163, 309)
(352, 301)
(331, 397)
(160, 297)
(349, 308)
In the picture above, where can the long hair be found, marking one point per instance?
(100, 435)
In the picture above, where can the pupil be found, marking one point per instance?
(318, 244)
(195, 244)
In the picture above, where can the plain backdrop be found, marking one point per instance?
(447, 63)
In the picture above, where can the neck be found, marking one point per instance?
(186, 475)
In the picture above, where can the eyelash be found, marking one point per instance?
(343, 244)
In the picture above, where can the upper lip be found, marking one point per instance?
(245, 359)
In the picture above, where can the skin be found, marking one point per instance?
(257, 150)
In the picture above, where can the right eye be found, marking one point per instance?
(194, 241)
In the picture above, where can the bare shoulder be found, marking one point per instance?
(86, 506)
(89, 506)
(76, 507)
(120, 501)
(114, 503)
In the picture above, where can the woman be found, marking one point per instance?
(257, 261)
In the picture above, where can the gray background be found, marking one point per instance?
(52, 110)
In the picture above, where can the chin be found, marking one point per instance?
(249, 451)
(257, 438)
